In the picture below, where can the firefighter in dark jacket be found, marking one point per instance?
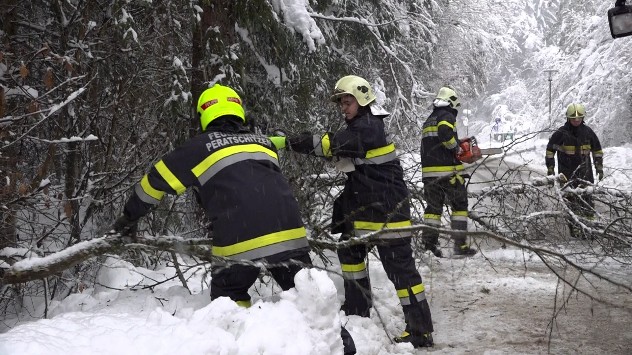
(238, 182)
(442, 173)
(573, 143)
(374, 198)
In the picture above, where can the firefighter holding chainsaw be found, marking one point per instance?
(237, 180)
(573, 143)
(375, 198)
(442, 173)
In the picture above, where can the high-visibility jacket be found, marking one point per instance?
(375, 196)
(237, 177)
(439, 144)
(573, 146)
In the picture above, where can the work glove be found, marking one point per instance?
(279, 132)
(600, 175)
(344, 164)
(550, 170)
(126, 228)
(278, 141)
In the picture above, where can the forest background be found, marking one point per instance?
(93, 92)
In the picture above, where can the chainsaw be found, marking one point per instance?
(471, 152)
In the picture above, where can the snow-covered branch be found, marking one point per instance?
(49, 112)
(363, 22)
(35, 268)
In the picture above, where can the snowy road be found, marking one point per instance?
(501, 302)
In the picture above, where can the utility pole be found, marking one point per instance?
(550, 72)
(466, 120)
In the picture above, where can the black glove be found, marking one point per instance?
(126, 228)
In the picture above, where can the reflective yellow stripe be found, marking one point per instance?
(353, 268)
(445, 123)
(437, 169)
(380, 151)
(265, 240)
(430, 129)
(432, 216)
(571, 149)
(245, 304)
(171, 179)
(450, 143)
(326, 144)
(199, 169)
(458, 178)
(149, 190)
(459, 213)
(376, 226)
(416, 290)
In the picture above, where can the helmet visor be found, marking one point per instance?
(338, 94)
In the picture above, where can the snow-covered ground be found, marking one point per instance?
(501, 301)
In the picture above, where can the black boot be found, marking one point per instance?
(464, 250)
(347, 342)
(433, 249)
(358, 300)
(418, 340)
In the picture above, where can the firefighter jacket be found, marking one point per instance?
(573, 146)
(237, 178)
(375, 196)
(440, 144)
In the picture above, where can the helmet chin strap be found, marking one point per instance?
(200, 121)
(440, 103)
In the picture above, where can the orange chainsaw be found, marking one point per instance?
(471, 152)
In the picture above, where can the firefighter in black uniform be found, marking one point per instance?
(374, 198)
(237, 179)
(573, 143)
(442, 173)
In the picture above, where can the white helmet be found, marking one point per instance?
(356, 87)
(575, 111)
(446, 97)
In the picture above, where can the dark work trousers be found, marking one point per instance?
(582, 206)
(445, 191)
(398, 262)
(234, 281)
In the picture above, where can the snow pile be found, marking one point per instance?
(168, 320)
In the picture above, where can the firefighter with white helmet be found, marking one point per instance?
(375, 198)
(442, 173)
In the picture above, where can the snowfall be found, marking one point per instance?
(503, 300)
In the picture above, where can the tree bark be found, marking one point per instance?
(216, 15)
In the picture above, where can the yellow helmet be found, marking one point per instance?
(219, 101)
(448, 95)
(355, 86)
(575, 111)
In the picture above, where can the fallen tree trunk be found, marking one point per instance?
(40, 267)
